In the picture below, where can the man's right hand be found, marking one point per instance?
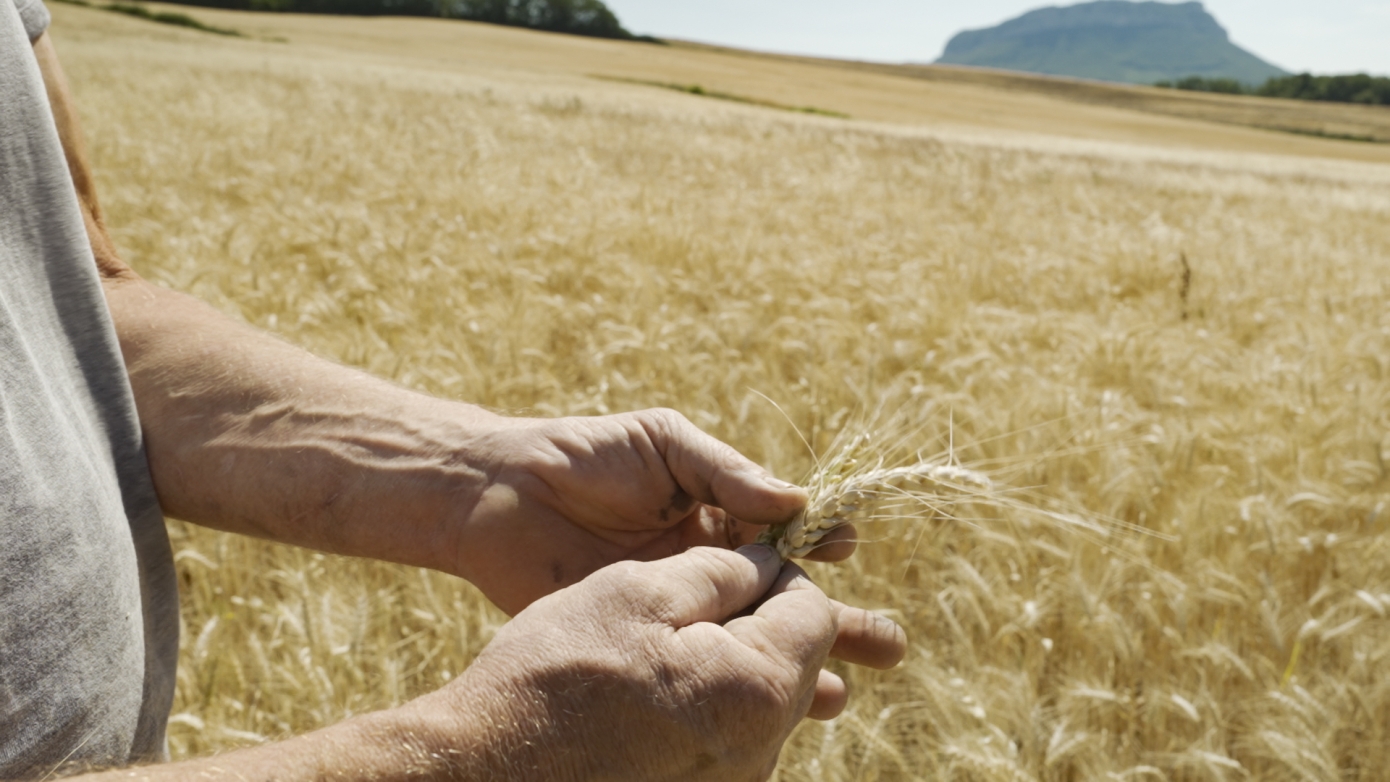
(657, 671)
(695, 668)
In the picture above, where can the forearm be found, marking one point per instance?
(418, 742)
(248, 434)
(354, 750)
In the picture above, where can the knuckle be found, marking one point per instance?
(621, 577)
(664, 421)
(763, 691)
(722, 570)
(667, 415)
(639, 587)
(717, 561)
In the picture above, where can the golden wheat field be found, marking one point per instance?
(1182, 346)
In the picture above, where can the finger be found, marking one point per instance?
(795, 625)
(866, 638)
(716, 474)
(831, 697)
(704, 584)
(837, 546)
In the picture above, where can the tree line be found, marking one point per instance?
(576, 17)
(1353, 88)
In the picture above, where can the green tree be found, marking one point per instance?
(576, 17)
(1199, 84)
(1352, 88)
(579, 17)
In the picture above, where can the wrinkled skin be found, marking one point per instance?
(639, 672)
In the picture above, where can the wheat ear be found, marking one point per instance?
(846, 490)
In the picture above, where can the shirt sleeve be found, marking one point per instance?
(35, 15)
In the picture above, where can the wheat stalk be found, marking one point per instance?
(847, 490)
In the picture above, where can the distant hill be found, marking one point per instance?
(1113, 40)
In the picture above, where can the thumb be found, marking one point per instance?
(705, 584)
(716, 474)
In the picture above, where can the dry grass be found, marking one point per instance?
(558, 245)
(1371, 123)
(968, 100)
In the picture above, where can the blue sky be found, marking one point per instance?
(1323, 36)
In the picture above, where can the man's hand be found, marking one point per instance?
(568, 496)
(641, 672)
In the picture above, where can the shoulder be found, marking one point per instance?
(35, 16)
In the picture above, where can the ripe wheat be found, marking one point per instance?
(848, 489)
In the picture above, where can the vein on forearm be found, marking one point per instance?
(248, 434)
(330, 465)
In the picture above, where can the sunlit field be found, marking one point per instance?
(1185, 349)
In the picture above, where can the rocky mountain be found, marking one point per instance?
(1112, 40)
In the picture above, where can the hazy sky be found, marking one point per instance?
(1323, 36)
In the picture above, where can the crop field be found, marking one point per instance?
(1175, 334)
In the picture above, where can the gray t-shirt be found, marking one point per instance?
(88, 598)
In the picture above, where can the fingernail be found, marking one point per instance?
(883, 623)
(758, 552)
